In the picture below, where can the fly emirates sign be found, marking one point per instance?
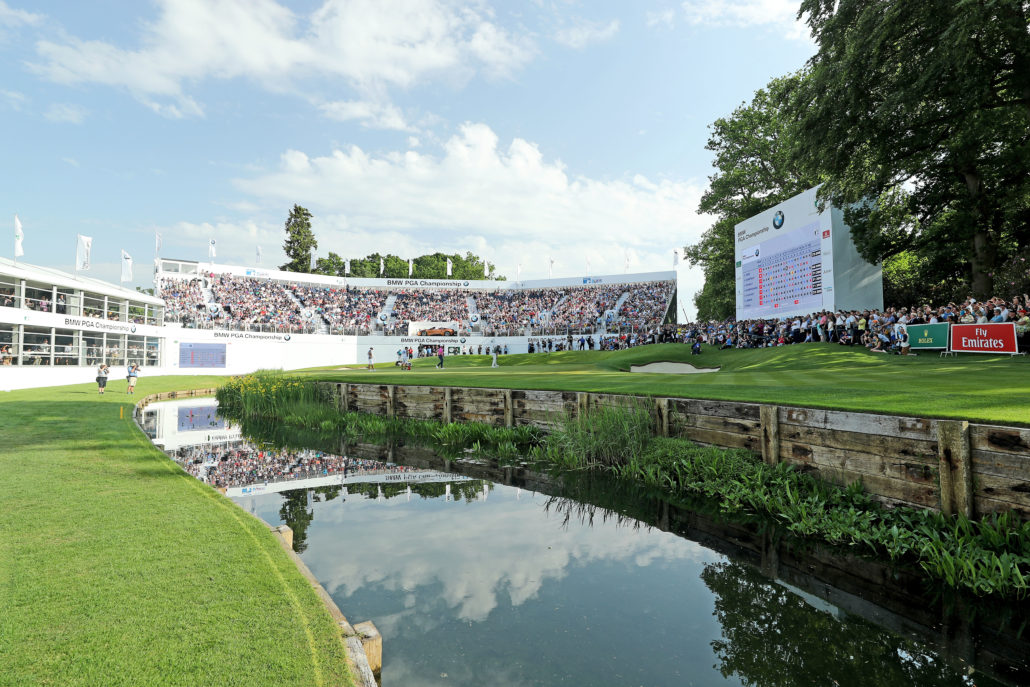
(984, 338)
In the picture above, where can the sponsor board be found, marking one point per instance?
(928, 336)
(253, 336)
(998, 337)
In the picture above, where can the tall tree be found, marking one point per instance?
(300, 241)
(431, 266)
(920, 113)
(757, 167)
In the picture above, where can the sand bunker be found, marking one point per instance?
(672, 368)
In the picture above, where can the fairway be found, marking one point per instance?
(973, 387)
(118, 568)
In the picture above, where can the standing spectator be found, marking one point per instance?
(102, 373)
(371, 359)
(132, 377)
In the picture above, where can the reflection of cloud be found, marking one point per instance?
(502, 546)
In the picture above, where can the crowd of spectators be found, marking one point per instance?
(587, 306)
(243, 464)
(514, 308)
(645, 305)
(431, 306)
(343, 307)
(184, 299)
(244, 300)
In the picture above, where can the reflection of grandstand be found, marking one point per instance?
(225, 298)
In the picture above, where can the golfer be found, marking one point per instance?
(370, 360)
(493, 355)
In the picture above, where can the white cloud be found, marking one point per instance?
(584, 33)
(12, 99)
(370, 114)
(777, 14)
(14, 17)
(370, 44)
(413, 142)
(507, 203)
(666, 17)
(70, 161)
(65, 113)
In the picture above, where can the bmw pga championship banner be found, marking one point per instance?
(928, 335)
(999, 337)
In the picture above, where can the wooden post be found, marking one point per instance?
(582, 403)
(372, 644)
(770, 418)
(954, 460)
(663, 416)
(391, 398)
(447, 405)
(509, 411)
(345, 398)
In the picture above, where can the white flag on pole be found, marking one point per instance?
(588, 267)
(82, 251)
(626, 268)
(346, 267)
(259, 255)
(19, 236)
(382, 267)
(211, 248)
(450, 267)
(486, 270)
(126, 267)
(675, 258)
(157, 243)
(314, 261)
(518, 271)
(411, 267)
(550, 267)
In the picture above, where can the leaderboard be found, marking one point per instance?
(784, 274)
(201, 355)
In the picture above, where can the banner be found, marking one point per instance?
(82, 251)
(126, 267)
(411, 267)
(19, 236)
(259, 255)
(928, 335)
(450, 267)
(157, 243)
(997, 337)
(211, 248)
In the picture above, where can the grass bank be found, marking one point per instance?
(117, 568)
(978, 388)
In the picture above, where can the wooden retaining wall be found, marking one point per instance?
(951, 465)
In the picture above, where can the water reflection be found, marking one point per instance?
(502, 577)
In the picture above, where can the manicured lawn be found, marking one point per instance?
(972, 387)
(117, 568)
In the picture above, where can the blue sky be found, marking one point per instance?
(519, 131)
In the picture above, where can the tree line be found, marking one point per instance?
(301, 245)
(915, 118)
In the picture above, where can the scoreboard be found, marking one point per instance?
(201, 355)
(795, 260)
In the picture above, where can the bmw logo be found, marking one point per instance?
(465, 284)
(778, 219)
(132, 329)
(475, 318)
(286, 338)
(383, 317)
(463, 339)
(756, 252)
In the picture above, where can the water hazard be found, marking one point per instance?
(477, 575)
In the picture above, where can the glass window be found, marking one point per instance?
(153, 356)
(66, 352)
(93, 344)
(37, 346)
(38, 297)
(8, 344)
(92, 305)
(8, 292)
(114, 349)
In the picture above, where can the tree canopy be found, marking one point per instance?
(757, 167)
(300, 241)
(919, 112)
(430, 266)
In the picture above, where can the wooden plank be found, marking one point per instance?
(922, 495)
(1001, 439)
(858, 462)
(746, 411)
(678, 423)
(1015, 491)
(861, 423)
(1001, 464)
(985, 504)
(893, 446)
(725, 439)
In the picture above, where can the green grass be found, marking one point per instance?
(118, 568)
(973, 387)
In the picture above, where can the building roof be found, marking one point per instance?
(66, 280)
